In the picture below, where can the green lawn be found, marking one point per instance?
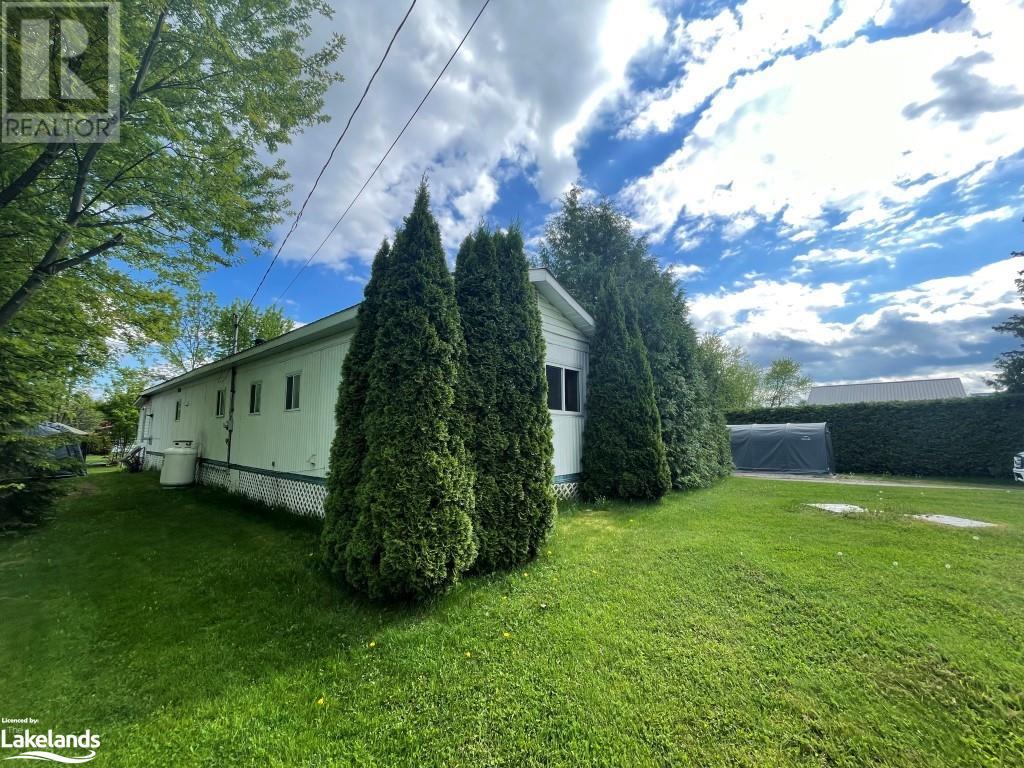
(725, 627)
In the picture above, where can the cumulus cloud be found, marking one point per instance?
(684, 271)
(928, 329)
(964, 94)
(841, 256)
(712, 51)
(827, 132)
(498, 111)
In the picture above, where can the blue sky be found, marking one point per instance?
(841, 182)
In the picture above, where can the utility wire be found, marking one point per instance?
(330, 157)
(385, 157)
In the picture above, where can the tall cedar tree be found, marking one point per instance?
(413, 534)
(585, 243)
(692, 427)
(508, 426)
(349, 447)
(623, 453)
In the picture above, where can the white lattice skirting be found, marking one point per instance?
(300, 496)
(567, 490)
(211, 474)
(153, 461)
(303, 496)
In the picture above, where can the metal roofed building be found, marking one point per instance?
(886, 391)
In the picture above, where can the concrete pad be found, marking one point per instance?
(839, 509)
(956, 522)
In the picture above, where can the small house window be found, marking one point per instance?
(219, 411)
(572, 390)
(563, 389)
(255, 392)
(177, 410)
(554, 374)
(291, 392)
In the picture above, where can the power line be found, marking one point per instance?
(330, 157)
(385, 157)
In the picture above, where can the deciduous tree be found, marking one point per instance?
(193, 343)
(732, 378)
(783, 383)
(253, 323)
(207, 90)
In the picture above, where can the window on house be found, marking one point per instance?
(554, 387)
(563, 389)
(255, 392)
(177, 410)
(291, 392)
(219, 411)
(572, 390)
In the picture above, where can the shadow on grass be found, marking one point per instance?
(156, 603)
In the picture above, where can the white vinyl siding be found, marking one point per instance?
(299, 441)
(566, 347)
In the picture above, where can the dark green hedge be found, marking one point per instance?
(973, 436)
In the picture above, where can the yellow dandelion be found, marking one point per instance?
(525, 573)
(468, 654)
(506, 634)
(320, 701)
(373, 643)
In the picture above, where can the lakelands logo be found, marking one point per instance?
(40, 746)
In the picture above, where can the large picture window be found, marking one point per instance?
(563, 389)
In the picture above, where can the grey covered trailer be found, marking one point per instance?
(800, 449)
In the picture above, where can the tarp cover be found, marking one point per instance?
(802, 449)
(66, 451)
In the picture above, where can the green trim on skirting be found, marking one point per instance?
(312, 480)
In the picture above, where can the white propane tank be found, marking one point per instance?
(179, 465)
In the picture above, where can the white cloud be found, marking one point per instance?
(922, 230)
(868, 129)
(929, 329)
(684, 271)
(712, 50)
(779, 308)
(841, 256)
(498, 110)
(956, 298)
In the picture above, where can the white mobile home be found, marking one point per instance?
(262, 420)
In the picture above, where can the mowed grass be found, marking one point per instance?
(732, 626)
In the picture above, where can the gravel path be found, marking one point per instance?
(867, 481)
